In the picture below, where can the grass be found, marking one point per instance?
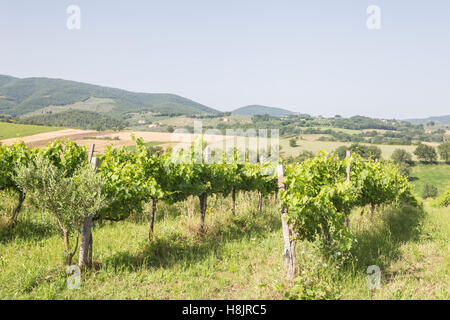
(237, 258)
(437, 175)
(13, 130)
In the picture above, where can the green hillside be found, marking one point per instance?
(261, 110)
(77, 119)
(15, 130)
(441, 120)
(19, 97)
(437, 175)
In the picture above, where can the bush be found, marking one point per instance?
(444, 151)
(292, 143)
(444, 199)
(429, 191)
(426, 153)
(402, 156)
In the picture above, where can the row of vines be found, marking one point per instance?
(315, 197)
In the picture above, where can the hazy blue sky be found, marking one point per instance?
(315, 57)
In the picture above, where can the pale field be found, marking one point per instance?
(44, 138)
(104, 139)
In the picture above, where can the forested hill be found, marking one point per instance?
(262, 110)
(33, 96)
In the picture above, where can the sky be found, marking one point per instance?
(316, 57)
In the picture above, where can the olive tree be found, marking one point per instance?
(69, 199)
(426, 153)
(444, 151)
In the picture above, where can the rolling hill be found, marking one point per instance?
(261, 110)
(34, 96)
(441, 120)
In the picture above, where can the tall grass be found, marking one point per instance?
(237, 258)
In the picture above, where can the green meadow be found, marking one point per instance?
(13, 130)
(435, 174)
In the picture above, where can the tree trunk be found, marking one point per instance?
(91, 244)
(86, 235)
(152, 221)
(326, 236)
(16, 212)
(203, 204)
(259, 201)
(67, 254)
(233, 197)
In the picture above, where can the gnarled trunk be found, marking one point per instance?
(68, 256)
(16, 211)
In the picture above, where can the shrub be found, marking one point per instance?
(429, 191)
(426, 153)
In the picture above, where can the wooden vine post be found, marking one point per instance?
(203, 198)
(288, 233)
(347, 218)
(261, 160)
(85, 256)
(233, 198)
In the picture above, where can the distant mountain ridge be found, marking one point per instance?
(262, 110)
(438, 119)
(19, 97)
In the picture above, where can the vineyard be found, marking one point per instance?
(320, 203)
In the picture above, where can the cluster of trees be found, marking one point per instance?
(366, 152)
(76, 119)
(425, 153)
(4, 118)
(428, 154)
(211, 115)
(389, 132)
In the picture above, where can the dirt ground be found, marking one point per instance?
(105, 138)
